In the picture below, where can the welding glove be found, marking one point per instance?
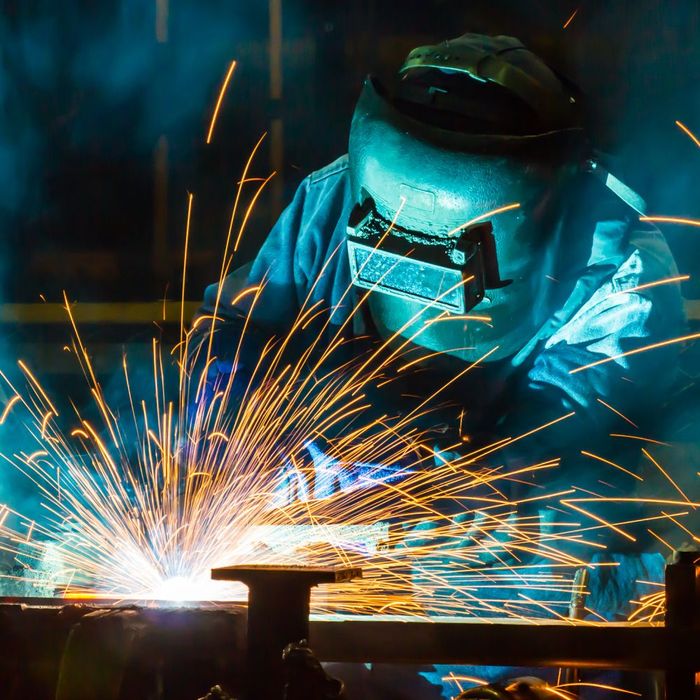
(472, 541)
(209, 370)
(323, 476)
(563, 452)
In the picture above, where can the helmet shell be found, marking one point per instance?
(434, 180)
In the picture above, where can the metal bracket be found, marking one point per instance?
(278, 615)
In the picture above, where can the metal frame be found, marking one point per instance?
(671, 648)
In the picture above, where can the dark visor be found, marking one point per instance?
(449, 273)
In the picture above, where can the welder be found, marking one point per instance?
(475, 214)
(553, 282)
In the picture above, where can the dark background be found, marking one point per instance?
(104, 109)
(93, 204)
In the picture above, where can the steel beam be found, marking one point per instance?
(278, 615)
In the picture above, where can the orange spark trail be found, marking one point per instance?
(665, 473)
(639, 437)
(458, 680)
(461, 317)
(190, 200)
(661, 539)
(222, 92)
(636, 351)
(657, 283)
(600, 686)
(249, 210)
(571, 18)
(671, 220)
(8, 408)
(597, 518)
(612, 464)
(616, 412)
(684, 128)
(485, 215)
(225, 258)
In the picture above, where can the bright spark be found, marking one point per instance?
(571, 19)
(8, 408)
(482, 217)
(657, 283)
(220, 99)
(671, 220)
(636, 351)
(617, 413)
(688, 132)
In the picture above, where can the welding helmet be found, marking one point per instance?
(470, 126)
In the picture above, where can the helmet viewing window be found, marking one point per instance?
(449, 273)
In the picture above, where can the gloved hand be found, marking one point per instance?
(323, 476)
(480, 524)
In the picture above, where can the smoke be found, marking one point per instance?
(637, 62)
(91, 79)
(86, 89)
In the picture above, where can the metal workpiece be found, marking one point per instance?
(683, 616)
(671, 648)
(504, 642)
(278, 615)
(81, 650)
(579, 593)
(209, 640)
(577, 611)
(683, 589)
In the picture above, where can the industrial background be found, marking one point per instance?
(106, 107)
(105, 110)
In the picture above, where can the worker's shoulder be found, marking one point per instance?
(337, 170)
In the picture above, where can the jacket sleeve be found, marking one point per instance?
(280, 266)
(286, 269)
(600, 353)
(599, 361)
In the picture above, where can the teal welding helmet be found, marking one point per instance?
(469, 126)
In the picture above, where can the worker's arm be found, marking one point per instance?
(598, 353)
(598, 368)
(601, 352)
(292, 266)
(586, 362)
